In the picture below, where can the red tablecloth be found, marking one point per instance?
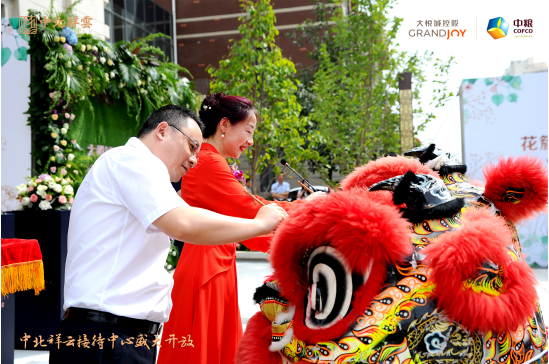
(22, 266)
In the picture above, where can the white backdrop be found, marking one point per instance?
(507, 116)
(16, 135)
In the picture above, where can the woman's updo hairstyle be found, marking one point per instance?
(218, 106)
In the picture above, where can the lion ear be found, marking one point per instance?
(454, 264)
(518, 187)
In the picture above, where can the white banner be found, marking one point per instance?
(507, 116)
(16, 135)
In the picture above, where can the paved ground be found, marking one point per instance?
(251, 275)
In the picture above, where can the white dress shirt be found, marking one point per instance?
(115, 259)
(278, 187)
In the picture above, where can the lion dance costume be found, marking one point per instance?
(409, 264)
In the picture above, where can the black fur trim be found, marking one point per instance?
(428, 154)
(402, 190)
(447, 209)
(264, 292)
(446, 170)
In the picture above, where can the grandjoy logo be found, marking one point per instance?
(497, 27)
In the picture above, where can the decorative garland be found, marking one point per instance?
(71, 68)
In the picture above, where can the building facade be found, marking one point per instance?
(526, 66)
(204, 28)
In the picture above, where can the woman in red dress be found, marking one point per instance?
(205, 319)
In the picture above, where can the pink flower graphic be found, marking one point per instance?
(62, 199)
(34, 198)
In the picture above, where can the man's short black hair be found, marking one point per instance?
(172, 114)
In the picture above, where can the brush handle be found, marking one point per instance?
(305, 187)
(254, 198)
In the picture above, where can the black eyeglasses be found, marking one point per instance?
(195, 147)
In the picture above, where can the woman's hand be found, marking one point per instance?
(314, 195)
(270, 216)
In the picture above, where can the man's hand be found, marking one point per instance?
(198, 226)
(314, 195)
(270, 216)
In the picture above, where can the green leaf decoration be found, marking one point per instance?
(25, 37)
(512, 97)
(14, 22)
(498, 99)
(6, 54)
(471, 80)
(488, 82)
(507, 78)
(515, 83)
(20, 54)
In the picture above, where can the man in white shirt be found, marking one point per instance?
(117, 292)
(280, 189)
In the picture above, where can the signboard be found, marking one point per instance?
(507, 116)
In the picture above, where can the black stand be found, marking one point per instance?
(40, 315)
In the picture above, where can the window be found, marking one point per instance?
(129, 19)
(118, 7)
(118, 29)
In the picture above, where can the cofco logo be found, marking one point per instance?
(497, 28)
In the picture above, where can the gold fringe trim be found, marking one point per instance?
(23, 276)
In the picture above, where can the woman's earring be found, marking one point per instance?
(223, 135)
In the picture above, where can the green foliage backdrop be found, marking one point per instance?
(100, 123)
(85, 90)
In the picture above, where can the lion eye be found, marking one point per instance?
(330, 288)
(321, 301)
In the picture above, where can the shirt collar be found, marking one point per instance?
(135, 142)
(139, 145)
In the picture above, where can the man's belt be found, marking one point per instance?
(100, 317)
